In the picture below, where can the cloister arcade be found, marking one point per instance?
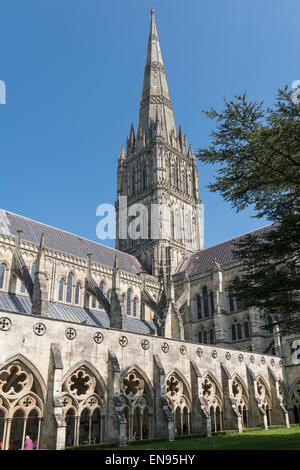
(137, 400)
(240, 394)
(84, 407)
(22, 393)
(179, 398)
(213, 397)
(264, 398)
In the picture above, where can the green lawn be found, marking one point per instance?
(273, 439)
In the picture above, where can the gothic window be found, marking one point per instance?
(239, 331)
(83, 397)
(212, 302)
(246, 329)
(22, 288)
(77, 293)
(144, 176)
(61, 289)
(2, 275)
(200, 336)
(231, 302)
(270, 327)
(69, 287)
(175, 180)
(101, 287)
(129, 302)
(199, 310)
(93, 302)
(33, 269)
(21, 400)
(205, 301)
(108, 295)
(136, 405)
(204, 337)
(172, 225)
(179, 401)
(211, 336)
(238, 304)
(135, 306)
(233, 332)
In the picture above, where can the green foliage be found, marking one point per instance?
(258, 152)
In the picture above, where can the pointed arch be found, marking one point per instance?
(238, 378)
(182, 377)
(22, 359)
(210, 375)
(92, 369)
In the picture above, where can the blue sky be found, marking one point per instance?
(74, 70)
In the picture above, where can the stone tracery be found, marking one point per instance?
(137, 405)
(83, 406)
(21, 405)
(179, 402)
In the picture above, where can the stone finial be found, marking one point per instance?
(217, 266)
(89, 262)
(122, 153)
(116, 263)
(19, 238)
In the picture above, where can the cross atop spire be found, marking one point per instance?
(155, 99)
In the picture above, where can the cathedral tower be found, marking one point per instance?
(158, 200)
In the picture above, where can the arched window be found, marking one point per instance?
(204, 337)
(108, 295)
(205, 301)
(32, 272)
(129, 302)
(212, 302)
(200, 337)
(2, 275)
(33, 269)
(211, 336)
(238, 304)
(135, 307)
(144, 173)
(22, 288)
(231, 301)
(233, 332)
(61, 289)
(77, 293)
(246, 329)
(239, 331)
(69, 287)
(101, 287)
(199, 309)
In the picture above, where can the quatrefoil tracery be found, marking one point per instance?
(174, 386)
(132, 385)
(14, 381)
(80, 384)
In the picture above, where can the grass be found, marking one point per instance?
(277, 438)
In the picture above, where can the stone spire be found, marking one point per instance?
(155, 95)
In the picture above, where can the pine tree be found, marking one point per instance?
(257, 151)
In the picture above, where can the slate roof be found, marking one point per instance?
(66, 242)
(222, 253)
(58, 311)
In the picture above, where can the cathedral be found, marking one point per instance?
(145, 340)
